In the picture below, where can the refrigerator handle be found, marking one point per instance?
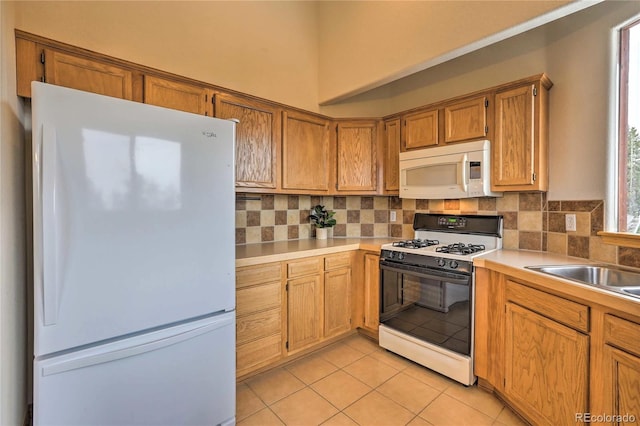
(102, 358)
(48, 232)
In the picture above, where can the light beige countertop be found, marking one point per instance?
(513, 263)
(255, 254)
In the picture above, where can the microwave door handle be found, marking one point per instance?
(464, 180)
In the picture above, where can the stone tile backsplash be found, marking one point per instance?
(530, 221)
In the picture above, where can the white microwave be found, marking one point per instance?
(454, 171)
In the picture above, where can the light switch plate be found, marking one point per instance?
(570, 222)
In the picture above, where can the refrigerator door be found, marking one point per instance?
(184, 375)
(133, 217)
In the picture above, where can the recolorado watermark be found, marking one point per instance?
(605, 418)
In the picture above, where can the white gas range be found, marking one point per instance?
(427, 290)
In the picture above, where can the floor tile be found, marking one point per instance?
(411, 393)
(247, 402)
(395, 361)
(356, 382)
(274, 385)
(419, 421)
(340, 419)
(341, 389)
(362, 344)
(304, 407)
(371, 371)
(375, 409)
(264, 417)
(446, 410)
(340, 354)
(311, 369)
(476, 398)
(508, 418)
(431, 378)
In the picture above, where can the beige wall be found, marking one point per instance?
(268, 49)
(575, 53)
(365, 44)
(13, 299)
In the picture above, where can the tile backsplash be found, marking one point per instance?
(530, 221)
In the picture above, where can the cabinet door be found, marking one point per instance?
(371, 291)
(304, 305)
(88, 75)
(546, 373)
(465, 120)
(420, 130)
(622, 387)
(176, 95)
(356, 155)
(306, 153)
(513, 148)
(391, 160)
(257, 139)
(337, 301)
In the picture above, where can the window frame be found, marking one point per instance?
(617, 154)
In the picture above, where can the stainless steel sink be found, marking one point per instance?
(612, 277)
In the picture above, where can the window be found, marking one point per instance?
(628, 205)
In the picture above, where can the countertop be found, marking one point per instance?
(255, 254)
(513, 263)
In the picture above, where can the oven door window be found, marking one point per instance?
(428, 307)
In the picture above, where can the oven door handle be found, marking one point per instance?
(460, 279)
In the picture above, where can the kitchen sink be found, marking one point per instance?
(632, 290)
(607, 276)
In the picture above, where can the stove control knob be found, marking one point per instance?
(400, 256)
(453, 264)
(442, 263)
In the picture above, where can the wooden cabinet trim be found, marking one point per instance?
(562, 310)
(260, 274)
(465, 120)
(622, 334)
(342, 260)
(307, 266)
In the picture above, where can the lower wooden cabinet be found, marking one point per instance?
(337, 295)
(619, 375)
(258, 316)
(290, 307)
(371, 292)
(552, 359)
(546, 373)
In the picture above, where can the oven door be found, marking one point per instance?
(431, 305)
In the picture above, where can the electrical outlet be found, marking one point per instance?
(392, 216)
(570, 222)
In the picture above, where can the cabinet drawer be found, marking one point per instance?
(562, 310)
(252, 275)
(257, 325)
(300, 268)
(622, 333)
(258, 298)
(258, 353)
(338, 261)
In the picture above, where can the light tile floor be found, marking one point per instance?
(356, 382)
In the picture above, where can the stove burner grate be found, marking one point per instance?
(416, 243)
(461, 248)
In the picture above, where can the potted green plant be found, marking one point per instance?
(322, 219)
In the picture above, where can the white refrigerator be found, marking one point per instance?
(134, 263)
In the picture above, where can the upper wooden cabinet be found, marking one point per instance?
(391, 156)
(520, 146)
(466, 120)
(306, 153)
(420, 130)
(177, 95)
(357, 156)
(257, 140)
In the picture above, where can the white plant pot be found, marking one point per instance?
(321, 233)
